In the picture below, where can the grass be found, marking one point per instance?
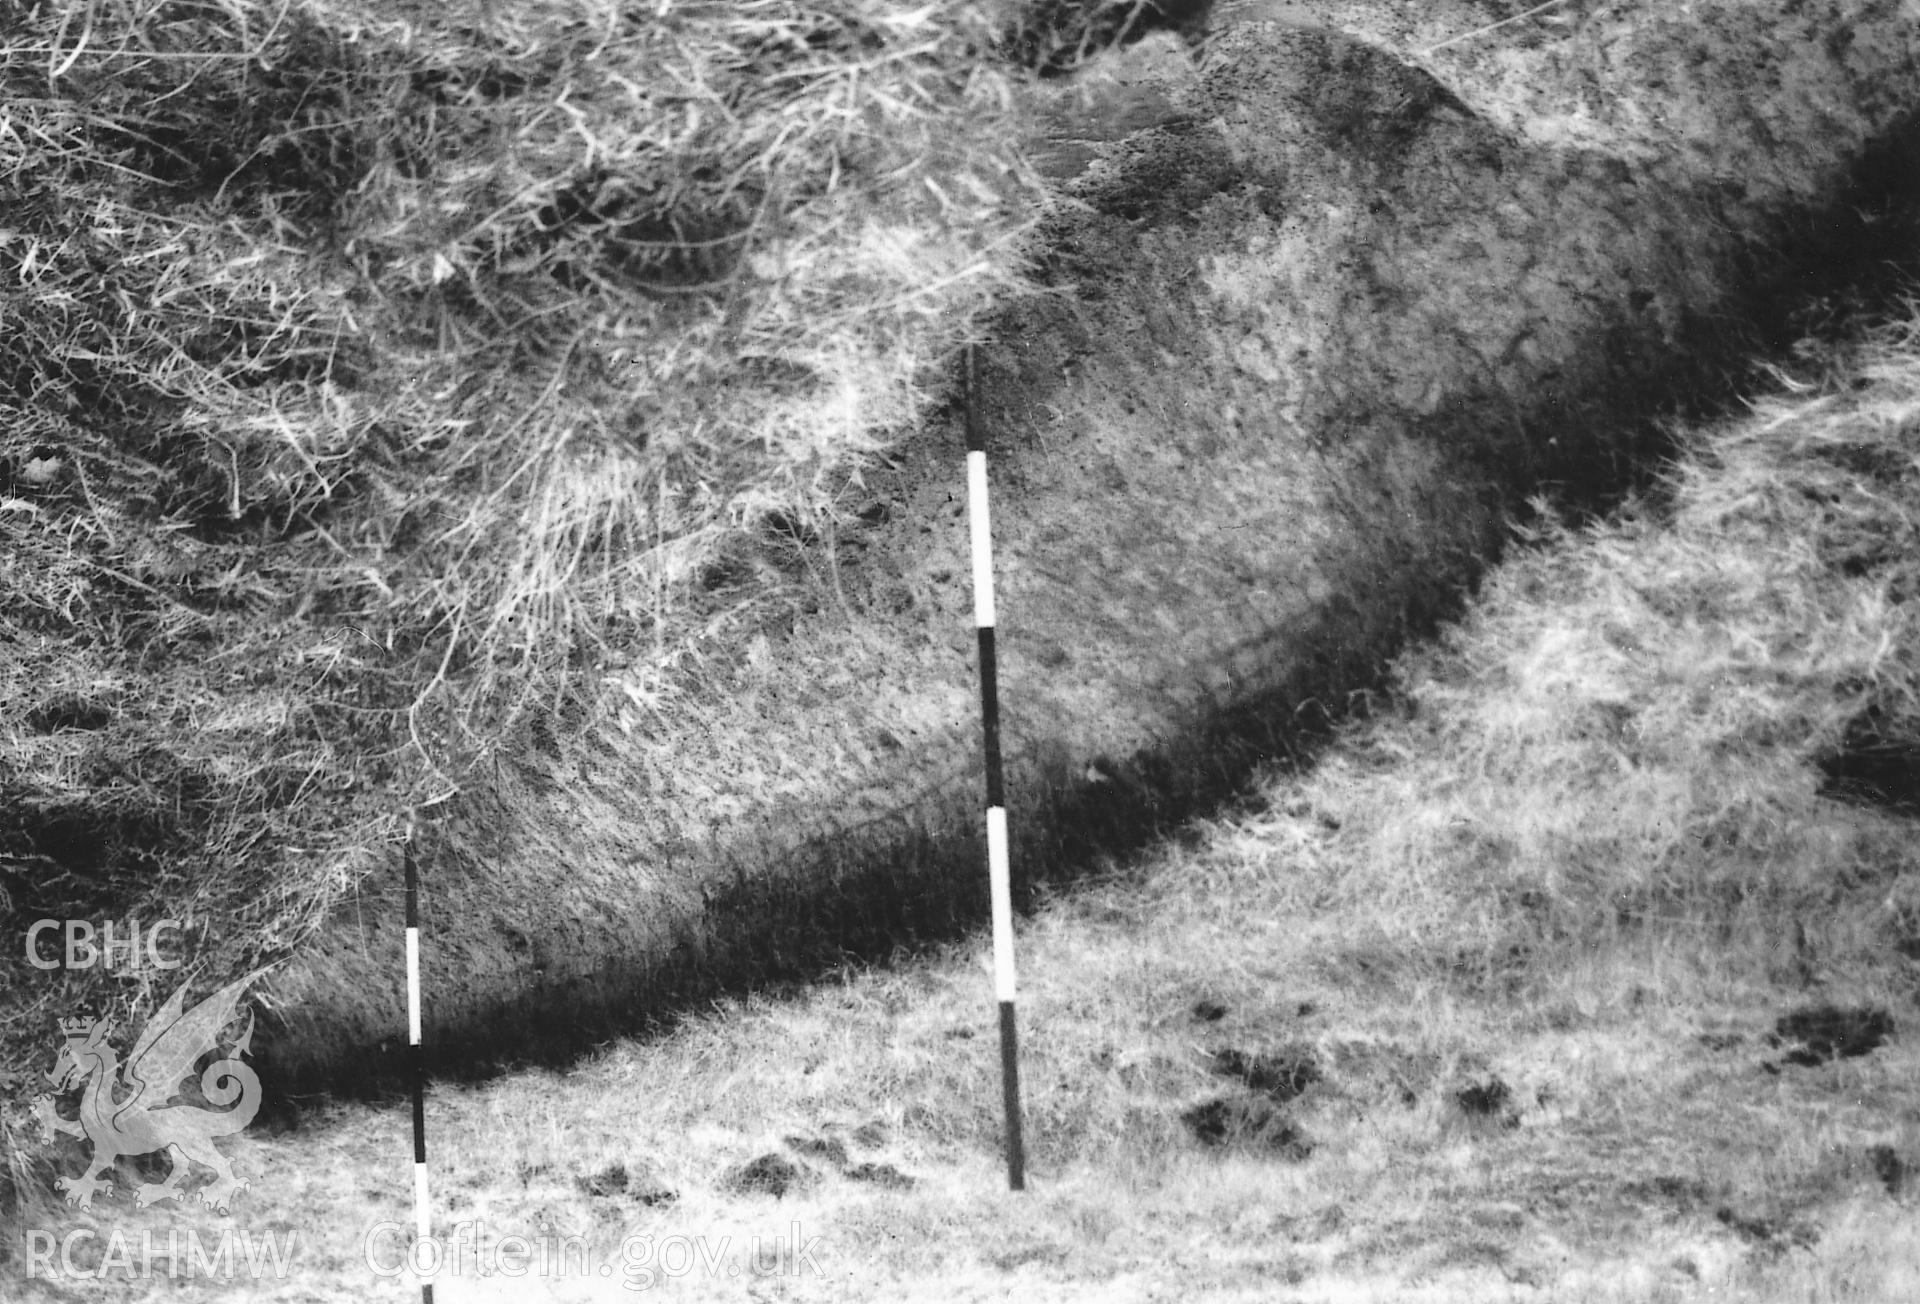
(375, 374)
(1521, 941)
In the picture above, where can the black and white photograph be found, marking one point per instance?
(877, 651)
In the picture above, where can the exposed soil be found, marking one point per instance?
(1324, 319)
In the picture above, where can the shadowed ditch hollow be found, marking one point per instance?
(1313, 344)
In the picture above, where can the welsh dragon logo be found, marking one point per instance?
(127, 1112)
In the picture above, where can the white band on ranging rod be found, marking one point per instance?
(999, 873)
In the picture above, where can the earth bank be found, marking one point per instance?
(1321, 327)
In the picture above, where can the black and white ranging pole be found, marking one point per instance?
(997, 871)
(416, 1070)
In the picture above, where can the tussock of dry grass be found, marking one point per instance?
(371, 371)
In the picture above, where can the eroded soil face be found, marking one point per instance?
(1323, 310)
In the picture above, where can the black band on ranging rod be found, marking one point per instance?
(990, 716)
